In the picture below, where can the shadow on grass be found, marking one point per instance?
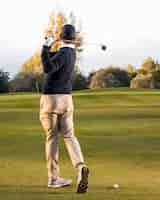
(40, 189)
(34, 189)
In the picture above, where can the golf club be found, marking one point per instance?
(102, 46)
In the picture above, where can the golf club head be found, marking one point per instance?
(103, 47)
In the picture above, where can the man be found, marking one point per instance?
(56, 109)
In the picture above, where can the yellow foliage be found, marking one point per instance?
(142, 71)
(144, 78)
(33, 64)
(149, 65)
(130, 69)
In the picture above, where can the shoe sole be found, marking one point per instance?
(59, 186)
(56, 187)
(83, 185)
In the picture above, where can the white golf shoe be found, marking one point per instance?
(59, 182)
(82, 179)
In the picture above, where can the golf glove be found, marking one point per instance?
(48, 41)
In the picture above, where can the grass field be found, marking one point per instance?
(119, 131)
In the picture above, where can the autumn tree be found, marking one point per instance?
(109, 77)
(149, 65)
(148, 75)
(130, 69)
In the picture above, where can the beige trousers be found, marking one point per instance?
(56, 116)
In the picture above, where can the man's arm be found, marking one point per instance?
(52, 63)
(45, 57)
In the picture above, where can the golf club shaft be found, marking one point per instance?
(86, 43)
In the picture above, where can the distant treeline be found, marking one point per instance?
(146, 76)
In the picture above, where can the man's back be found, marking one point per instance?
(58, 69)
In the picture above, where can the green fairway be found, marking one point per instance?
(119, 130)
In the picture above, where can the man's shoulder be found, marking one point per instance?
(64, 49)
(67, 51)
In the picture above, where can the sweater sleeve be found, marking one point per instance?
(52, 62)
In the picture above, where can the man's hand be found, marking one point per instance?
(49, 41)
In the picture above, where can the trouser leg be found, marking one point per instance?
(71, 142)
(49, 124)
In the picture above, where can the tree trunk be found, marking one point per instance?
(37, 86)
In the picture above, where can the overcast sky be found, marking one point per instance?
(130, 28)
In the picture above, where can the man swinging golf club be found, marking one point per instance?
(56, 109)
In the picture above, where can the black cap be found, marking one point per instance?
(68, 32)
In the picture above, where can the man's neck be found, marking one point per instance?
(67, 45)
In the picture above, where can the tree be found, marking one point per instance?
(149, 65)
(79, 81)
(130, 69)
(33, 64)
(156, 79)
(147, 75)
(4, 81)
(26, 82)
(109, 77)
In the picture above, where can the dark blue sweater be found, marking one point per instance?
(58, 69)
